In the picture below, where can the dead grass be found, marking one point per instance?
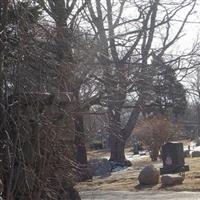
(192, 178)
(126, 180)
(97, 153)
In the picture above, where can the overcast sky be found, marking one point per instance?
(192, 28)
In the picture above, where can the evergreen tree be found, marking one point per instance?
(169, 93)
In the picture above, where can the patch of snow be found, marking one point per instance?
(121, 170)
(192, 145)
(196, 148)
(132, 157)
(117, 169)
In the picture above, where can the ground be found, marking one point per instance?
(126, 179)
(114, 195)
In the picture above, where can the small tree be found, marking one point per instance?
(155, 131)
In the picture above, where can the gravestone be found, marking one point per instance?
(100, 167)
(173, 158)
(135, 148)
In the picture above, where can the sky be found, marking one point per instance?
(192, 28)
(191, 31)
(190, 34)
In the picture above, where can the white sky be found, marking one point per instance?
(191, 31)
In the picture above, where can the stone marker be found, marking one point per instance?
(135, 148)
(1, 187)
(149, 176)
(196, 154)
(100, 167)
(171, 179)
(142, 153)
(173, 158)
(187, 153)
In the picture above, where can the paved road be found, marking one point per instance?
(124, 195)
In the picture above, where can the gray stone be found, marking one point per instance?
(197, 141)
(1, 187)
(171, 179)
(126, 163)
(149, 176)
(100, 167)
(196, 154)
(187, 153)
(142, 153)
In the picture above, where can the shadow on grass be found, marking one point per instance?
(143, 187)
(158, 186)
(104, 176)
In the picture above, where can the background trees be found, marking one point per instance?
(58, 60)
(125, 48)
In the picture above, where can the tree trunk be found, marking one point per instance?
(81, 154)
(117, 141)
(154, 153)
(117, 151)
(117, 146)
(119, 135)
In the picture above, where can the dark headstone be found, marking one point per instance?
(100, 167)
(135, 148)
(187, 153)
(196, 154)
(173, 158)
(173, 151)
(197, 141)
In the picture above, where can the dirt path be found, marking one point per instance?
(124, 195)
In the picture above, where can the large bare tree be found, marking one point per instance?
(38, 129)
(125, 47)
(72, 70)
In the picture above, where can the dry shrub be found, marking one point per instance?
(155, 131)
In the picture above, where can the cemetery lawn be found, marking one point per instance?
(126, 179)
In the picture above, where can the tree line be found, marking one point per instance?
(62, 58)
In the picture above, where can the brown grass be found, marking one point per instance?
(127, 180)
(97, 153)
(192, 178)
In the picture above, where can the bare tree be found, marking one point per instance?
(73, 71)
(37, 129)
(194, 95)
(124, 49)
